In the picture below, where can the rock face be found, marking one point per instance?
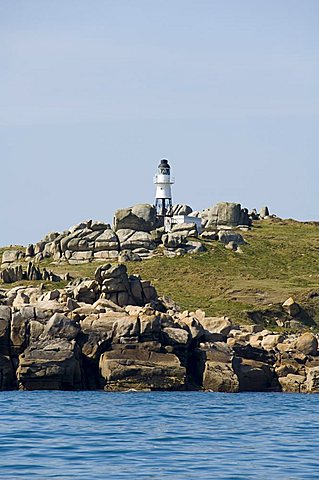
(141, 218)
(12, 274)
(307, 344)
(57, 342)
(219, 374)
(141, 367)
(7, 374)
(132, 240)
(185, 229)
(50, 365)
(113, 332)
(255, 376)
(11, 256)
(225, 214)
(216, 325)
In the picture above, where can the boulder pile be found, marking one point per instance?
(114, 333)
(138, 234)
(129, 239)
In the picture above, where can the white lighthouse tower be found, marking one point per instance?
(163, 182)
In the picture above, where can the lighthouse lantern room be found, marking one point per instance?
(163, 182)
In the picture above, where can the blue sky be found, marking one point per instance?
(94, 93)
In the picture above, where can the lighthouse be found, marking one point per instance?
(163, 182)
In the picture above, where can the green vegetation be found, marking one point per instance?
(279, 260)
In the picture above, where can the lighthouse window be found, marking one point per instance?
(165, 171)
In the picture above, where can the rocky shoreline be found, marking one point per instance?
(114, 333)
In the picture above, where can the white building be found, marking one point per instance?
(164, 199)
(163, 182)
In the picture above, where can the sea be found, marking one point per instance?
(158, 435)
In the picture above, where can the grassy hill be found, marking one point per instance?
(279, 260)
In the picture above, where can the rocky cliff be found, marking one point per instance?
(113, 332)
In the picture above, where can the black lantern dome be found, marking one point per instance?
(164, 164)
(164, 167)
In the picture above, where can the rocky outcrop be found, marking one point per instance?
(93, 241)
(225, 214)
(50, 364)
(86, 242)
(291, 307)
(12, 274)
(117, 286)
(113, 332)
(264, 212)
(135, 236)
(141, 217)
(218, 368)
(54, 340)
(135, 240)
(11, 256)
(141, 367)
(307, 344)
(82, 243)
(17, 273)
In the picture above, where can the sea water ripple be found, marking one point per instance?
(176, 435)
